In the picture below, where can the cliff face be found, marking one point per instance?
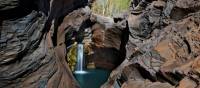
(163, 47)
(34, 41)
(25, 61)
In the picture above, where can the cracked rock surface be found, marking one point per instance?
(163, 47)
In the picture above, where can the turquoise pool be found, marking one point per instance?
(92, 78)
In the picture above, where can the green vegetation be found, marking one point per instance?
(71, 56)
(110, 7)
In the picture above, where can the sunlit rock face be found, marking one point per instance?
(163, 47)
(107, 42)
(145, 84)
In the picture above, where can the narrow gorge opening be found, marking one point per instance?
(89, 66)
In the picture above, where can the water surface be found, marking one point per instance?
(92, 78)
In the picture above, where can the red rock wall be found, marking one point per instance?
(167, 57)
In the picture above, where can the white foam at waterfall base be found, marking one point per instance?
(80, 72)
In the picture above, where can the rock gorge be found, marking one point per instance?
(157, 48)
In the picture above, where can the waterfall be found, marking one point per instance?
(80, 59)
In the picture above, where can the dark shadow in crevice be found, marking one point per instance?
(172, 78)
(23, 8)
(174, 81)
(105, 58)
(180, 13)
(124, 41)
(188, 46)
(144, 73)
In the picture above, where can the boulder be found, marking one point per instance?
(145, 84)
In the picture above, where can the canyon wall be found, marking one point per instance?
(157, 48)
(163, 47)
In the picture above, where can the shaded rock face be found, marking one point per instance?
(162, 47)
(27, 62)
(11, 9)
(9, 4)
(34, 36)
(18, 38)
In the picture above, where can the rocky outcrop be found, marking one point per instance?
(159, 48)
(28, 57)
(34, 44)
(145, 84)
(163, 47)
